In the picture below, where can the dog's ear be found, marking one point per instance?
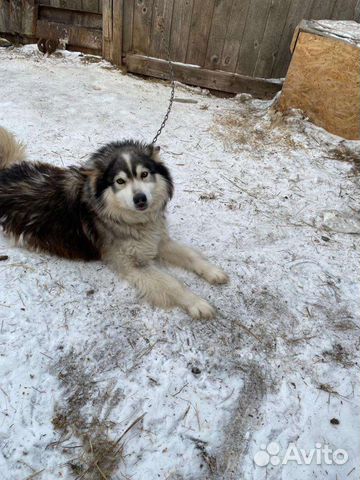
(154, 153)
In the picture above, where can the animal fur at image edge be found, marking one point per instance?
(110, 208)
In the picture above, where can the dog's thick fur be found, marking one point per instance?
(111, 208)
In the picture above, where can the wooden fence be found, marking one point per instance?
(227, 45)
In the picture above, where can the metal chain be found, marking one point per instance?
(172, 80)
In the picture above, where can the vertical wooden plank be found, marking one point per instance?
(180, 29)
(299, 10)
(234, 34)
(15, 16)
(117, 31)
(143, 12)
(128, 26)
(344, 10)
(217, 35)
(357, 11)
(89, 5)
(322, 9)
(161, 28)
(107, 21)
(29, 17)
(4, 16)
(278, 14)
(254, 32)
(199, 31)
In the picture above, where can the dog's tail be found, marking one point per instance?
(11, 151)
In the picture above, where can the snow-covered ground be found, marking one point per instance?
(95, 385)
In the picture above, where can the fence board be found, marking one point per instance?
(161, 28)
(270, 44)
(128, 26)
(344, 9)
(5, 16)
(143, 11)
(70, 17)
(117, 32)
(254, 31)
(357, 11)
(217, 33)
(88, 38)
(180, 28)
(322, 9)
(213, 79)
(90, 6)
(107, 36)
(199, 31)
(299, 10)
(234, 34)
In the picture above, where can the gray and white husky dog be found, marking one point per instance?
(110, 208)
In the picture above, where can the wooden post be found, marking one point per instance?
(107, 14)
(117, 30)
(113, 30)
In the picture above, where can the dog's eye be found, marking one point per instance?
(144, 174)
(120, 181)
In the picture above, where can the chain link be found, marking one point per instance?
(172, 80)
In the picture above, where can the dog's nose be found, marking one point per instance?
(140, 201)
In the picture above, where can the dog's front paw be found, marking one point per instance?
(215, 276)
(201, 309)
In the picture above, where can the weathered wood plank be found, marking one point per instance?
(299, 10)
(128, 26)
(143, 11)
(107, 34)
(70, 17)
(117, 31)
(217, 35)
(254, 31)
(213, 79)
(322, 9)
(29, 17)
(234, 34)
(199, 31)
(5, 16)
(270, 43)
(15, 16)
(344, 10)
(161, 28)
(357, 11)
(75, 36)
(90, 6)
(180, 28)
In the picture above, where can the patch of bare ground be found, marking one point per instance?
(345, 152)
(85, 437)
(255, 125)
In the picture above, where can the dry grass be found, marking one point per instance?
(255, 126)
(95, 455)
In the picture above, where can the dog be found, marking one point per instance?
(111, 208)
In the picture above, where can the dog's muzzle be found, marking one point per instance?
(140, 201)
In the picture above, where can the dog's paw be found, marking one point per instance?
(201, 309)
(215, 276)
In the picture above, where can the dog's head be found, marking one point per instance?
(129, 176)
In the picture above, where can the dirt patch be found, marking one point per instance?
(254, 125)
(97, 454)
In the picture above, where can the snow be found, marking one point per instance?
(84, 365)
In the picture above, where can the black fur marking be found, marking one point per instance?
(35, 203)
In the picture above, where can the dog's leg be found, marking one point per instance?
(185, 257)
(162, 290)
